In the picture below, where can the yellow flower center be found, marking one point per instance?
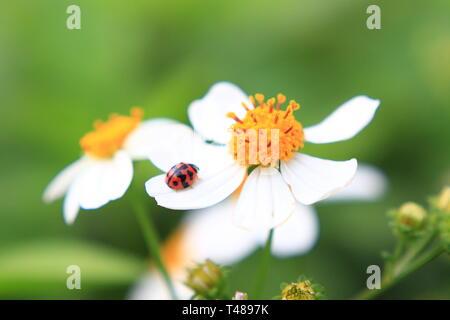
(298, 291)
(175, 251)
(267, 133)
(108, 137)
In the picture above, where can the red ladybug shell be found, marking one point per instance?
(181, 176)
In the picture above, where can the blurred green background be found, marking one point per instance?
(161, 55)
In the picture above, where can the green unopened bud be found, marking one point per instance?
(299, 291)
(411, 215)
(204, 277)
(443, 201)
(239, 295)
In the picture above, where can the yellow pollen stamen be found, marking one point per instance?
(281, 99)
(108, 137)
(276, 119)
(260, 98)
(267, 117)
(252, 100)
(293, 106)
(270, 103)
(245, 106)
(233, 116)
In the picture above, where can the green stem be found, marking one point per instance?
(263, 268)
(389, 282)
(151, 238)
(421, 261)
(399, 249)
(412, 253)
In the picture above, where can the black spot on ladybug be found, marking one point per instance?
(181, 176)
(169, 178)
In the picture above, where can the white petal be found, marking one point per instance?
(265, 200)
(71, 205)
(59, 185)
(208, 115)
(210, 188)
(369, 184)
(212, 235)
(153, 287)
(105, 180)
(179, 143)
(345, 122)
(296, 236)
(176, 143)
(120, 175)
(141, 141)
(313, 179)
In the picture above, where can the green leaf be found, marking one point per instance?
(39, 269)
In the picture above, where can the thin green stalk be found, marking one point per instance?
(389, 282)
(421, 261)
(412, 253)
(261, 277)
(399, 249)
(151, 239)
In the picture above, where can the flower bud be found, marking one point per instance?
(443, 201)
(239, 295)
(299, 291)
(204, 278)
(411, 215)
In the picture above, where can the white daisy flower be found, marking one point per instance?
(210, 234)
(295, 237)
(105, 170)
(199, 237)
(273, 191)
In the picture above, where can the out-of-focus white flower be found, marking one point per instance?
(299, 234)
(270, 194)
(105, 170)
(211, 234)
(200, 236)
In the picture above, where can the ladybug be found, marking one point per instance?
(181, 176)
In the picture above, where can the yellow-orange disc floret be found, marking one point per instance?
(176, 251)
(266, 114)
(108, 137)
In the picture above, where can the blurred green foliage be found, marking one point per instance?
(161, 55)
